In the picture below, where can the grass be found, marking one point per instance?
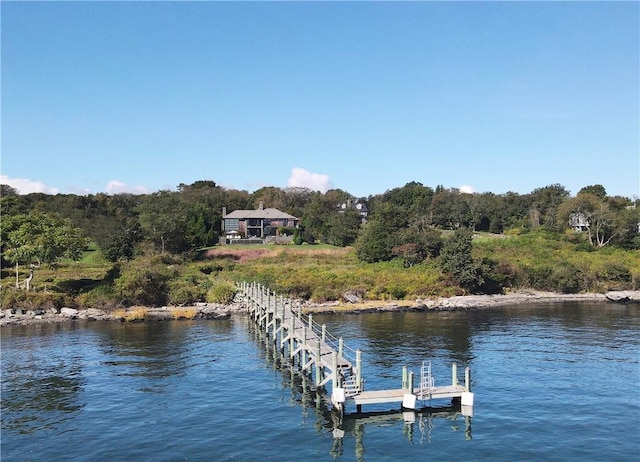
(323, 273)
(183, 313)
(136, 313)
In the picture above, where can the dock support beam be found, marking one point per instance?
(454, 374)
(467, 380)
(359, 369)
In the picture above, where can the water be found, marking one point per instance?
(551, 382)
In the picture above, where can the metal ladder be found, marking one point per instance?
(349, 383)
(427, 382)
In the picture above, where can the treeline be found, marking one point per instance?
(404, 218)
(411, 225)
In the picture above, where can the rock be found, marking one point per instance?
(351, 298)
(68, 311)
(623, 296)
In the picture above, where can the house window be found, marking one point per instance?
(231, 224)
(253, 222)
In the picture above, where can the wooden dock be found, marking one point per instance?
(327, 359)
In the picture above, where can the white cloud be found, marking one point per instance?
(25, 186)
(305, 179)
(118, 187)
(466, 189)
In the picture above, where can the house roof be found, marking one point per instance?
(273, 214)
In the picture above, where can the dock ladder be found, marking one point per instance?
(427, 382)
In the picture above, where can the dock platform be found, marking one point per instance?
(328, 360)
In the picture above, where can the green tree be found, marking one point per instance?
(596, 189)
(545, 204)
(415, 244)
(343, 227)
(456, 259)
(37, 238)
(315, 218)
(605, 222)
(163, 220)
(116, 237)
(373, 243)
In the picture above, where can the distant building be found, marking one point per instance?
(361, 207)
(579, 221)
(260, 223)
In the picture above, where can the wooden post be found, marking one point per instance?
(303, 352)
(359, 369)
(410, 382)
(324, 332)
(341, 347)
(454, 374)
(292, 339)
(311, 321)
(275, 319)
(334, 360)
(405, 378)
(318, 366)
(262, 307)
(467, 379)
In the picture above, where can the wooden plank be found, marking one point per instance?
(396, 396)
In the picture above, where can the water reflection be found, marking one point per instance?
(42, 383)
(446, 335)
(152, 350)
(417, 427)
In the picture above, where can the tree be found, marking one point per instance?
(7, 191)
(373, 243)
(164, 221)
(449, 209)
(343, 227)
(415, 244)
(456, 259)
(546, 202)
(116, 236)
(36, 238)
(597, 190)
(315, 218)
(602, 221)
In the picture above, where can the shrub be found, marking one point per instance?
(14, 298)
(144, 282)
(184, 292)
(101, 297)
(615, 272)
(222, 292)
(567, 279)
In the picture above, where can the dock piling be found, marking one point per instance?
(310, 344)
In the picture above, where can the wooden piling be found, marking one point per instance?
(310, 345)
(467, 380)
(454, 374)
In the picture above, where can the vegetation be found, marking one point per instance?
(122, 251)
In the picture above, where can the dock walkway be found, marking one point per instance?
(328, 360)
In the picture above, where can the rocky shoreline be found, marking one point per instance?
(16, 316)
(469, 302)
(13, 316)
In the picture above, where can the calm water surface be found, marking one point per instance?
(551, 382)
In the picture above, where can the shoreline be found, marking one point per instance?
(19, 317)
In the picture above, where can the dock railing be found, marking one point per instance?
(329, 360)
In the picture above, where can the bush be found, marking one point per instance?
(101, 297)
(144, 282)
(222, 292)
(14, 298)
(567, 279)
(185, 292)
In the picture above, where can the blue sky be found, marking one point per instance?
(361, 96)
